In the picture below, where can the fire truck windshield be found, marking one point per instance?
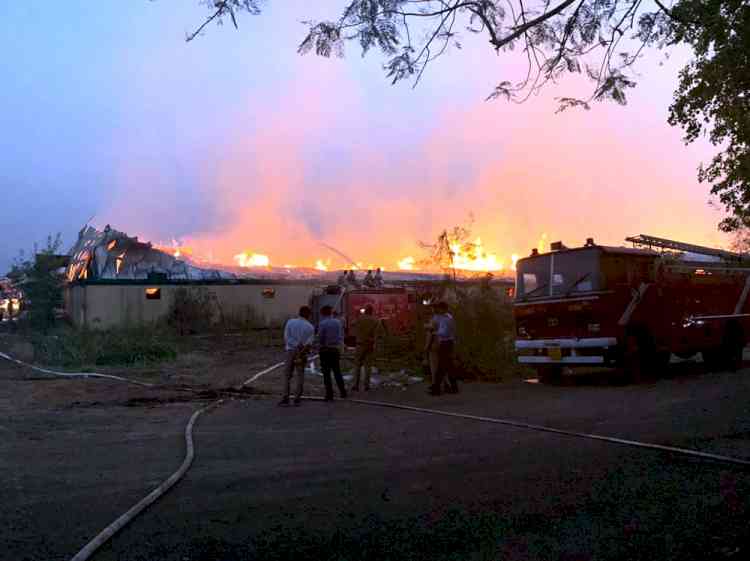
(563, 273)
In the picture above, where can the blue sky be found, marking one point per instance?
(236, 142)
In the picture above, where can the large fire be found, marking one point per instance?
(473, 257)
(464, 256)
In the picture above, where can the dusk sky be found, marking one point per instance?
(235, 142)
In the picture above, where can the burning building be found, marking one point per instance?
(113, 279)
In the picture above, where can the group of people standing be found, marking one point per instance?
(300, 339)
(371, 280)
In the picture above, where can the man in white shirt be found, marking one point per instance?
(298, 338)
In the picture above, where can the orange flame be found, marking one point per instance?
(473, 257)
(542, 243)
(247, 259)
(406, 264)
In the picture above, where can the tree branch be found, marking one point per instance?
(520, 30)
(197, 32)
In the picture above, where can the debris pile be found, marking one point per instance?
(400, 379)
(110, 254)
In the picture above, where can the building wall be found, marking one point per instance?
(103, 305)
(100, 306)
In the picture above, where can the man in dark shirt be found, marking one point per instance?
(330, 338)
(445, 335)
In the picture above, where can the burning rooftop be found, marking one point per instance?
(111, 254)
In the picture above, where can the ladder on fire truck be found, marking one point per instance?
(651, 242)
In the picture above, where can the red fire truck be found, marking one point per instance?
(396, 307)
(631, 308)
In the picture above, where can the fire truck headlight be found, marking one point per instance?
(594, 327)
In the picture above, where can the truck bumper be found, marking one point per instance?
(593, 350)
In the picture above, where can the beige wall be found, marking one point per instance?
(102, 306)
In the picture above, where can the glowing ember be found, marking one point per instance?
(174, 248)
(246, 259)
(321, 265)
(119, 261)
(406, 264)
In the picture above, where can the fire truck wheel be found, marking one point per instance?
(639, 357)
(712, 359)
(549, 374)
(729, 355)
(732, 347)
(661, 362)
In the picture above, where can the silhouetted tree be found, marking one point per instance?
(38, 278)
(441, 253)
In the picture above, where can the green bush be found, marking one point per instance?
(485, 334)
(396, 352)
(112, 347)
(41, 284)
(244, 320)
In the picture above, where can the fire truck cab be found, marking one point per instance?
(630, 308)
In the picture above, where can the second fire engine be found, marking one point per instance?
(631, 308)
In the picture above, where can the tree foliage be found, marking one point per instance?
(441, 253)
(600, 40)
(713, 97)
(450, 245)
(37, 276)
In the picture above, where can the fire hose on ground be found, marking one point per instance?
(103, 536)
(74, 374)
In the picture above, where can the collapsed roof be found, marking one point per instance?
(110, 254)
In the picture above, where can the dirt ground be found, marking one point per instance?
(212, 363)
(350, 481)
